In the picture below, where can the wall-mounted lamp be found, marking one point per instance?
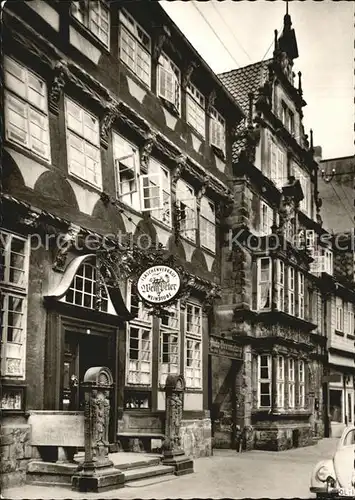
(327, 177)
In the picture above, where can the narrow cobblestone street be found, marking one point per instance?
(228, 474)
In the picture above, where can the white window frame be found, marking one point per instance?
(196, 109)
(264, 380)
(264, 286)
(171, 332)
(280, 381)
(291, 300)
(217, 130)
(193, 344)
(301, 383)
(14, 350)
(140, 48)
(186, 204)
(126, 161)
(339, 316)
(89, 138)
(280, 285)
(207, 224)
(84, 12)
(143, 323)
(19, 92)
(155, 192)
(327, 255)
(277, 159)
(301, 299)
(291, 383)
(170, 75)
(350, 319)
(266, 219)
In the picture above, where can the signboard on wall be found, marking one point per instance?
(225, 347)
(158, 284)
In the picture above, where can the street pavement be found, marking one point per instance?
(227, 474)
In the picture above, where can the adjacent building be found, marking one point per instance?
(116, 133)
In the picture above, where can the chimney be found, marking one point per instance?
(317, 153)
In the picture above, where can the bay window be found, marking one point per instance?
(301, 383)
(280, 382)
(264, 282)
(186, 208)
(83, 144)
(291, 383)
(291, 291)
(264, 381)
(195, 109)
(207, 224)
(26, 110)
(95, 16)
(193, 346)
(126, 159)
(280, 285)
(300, 295)
(14, 260)
(168, 82)
(169, 343)
(155, 192)
(217, 130)
(135, 47)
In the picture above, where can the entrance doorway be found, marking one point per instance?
(81, 352)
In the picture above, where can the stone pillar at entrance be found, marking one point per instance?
(97, 473)
(173, 453)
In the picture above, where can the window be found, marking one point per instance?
(291, 383)
(186, 210)
(83, 144)
(301, 381)
(350, 319)
(156, 192)
(169, 81)
(339, 305)
(278, 165)
(288, 118)
(169, 343)
(291, 291)
(217, 130)
(195, 109)
(328, 260)
(266, 219)
(207, 224)
(280, 285)
(14, 260)
(264, 381)
(264, 284)
(95, 16)
(310, 240)
(135, 47)
(139, 330)
(280, 382)
(193, 346)
(26, 111)
(126, 158)
(300, 295)
(84, 292)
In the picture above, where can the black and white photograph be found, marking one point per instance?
(177, 249)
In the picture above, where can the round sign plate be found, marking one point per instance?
(158, 284)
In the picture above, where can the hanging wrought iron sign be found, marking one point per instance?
(158, 284)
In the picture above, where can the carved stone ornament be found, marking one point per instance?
(202, 191)
(64, 247)
(59, 80)
(180, 167)
(211, 100)
(30, 219)
(188, 73)
(146, 150)
(163, 35)
(212, 294)
(287, 217)
(111, 113)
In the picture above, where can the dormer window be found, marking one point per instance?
(217, 130)
(135, 47)
(195, 109)
(95, 16)
(168, 82)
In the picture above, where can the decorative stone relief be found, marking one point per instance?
(61, 73)
(30, 219)
(146, 151)
(188, 73)
(180, 167)
(211, 100)
(111, 113)
(65, 245)
(162, 37)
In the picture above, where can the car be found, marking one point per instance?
(335, 478)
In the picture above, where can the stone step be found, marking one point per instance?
(39, 472)
(140, 483)
(145, 472)
(138, 464)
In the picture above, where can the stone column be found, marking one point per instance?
(173, 453)
(97, 473)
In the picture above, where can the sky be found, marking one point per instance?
(325, 38)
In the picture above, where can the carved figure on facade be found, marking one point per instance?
(146, 150)
(188, 73)
(112, 112)
(61, 73)
(163, 35)
(30, 219)
(65, 245)
(202, 191)
(180, 167)
(211, 100)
